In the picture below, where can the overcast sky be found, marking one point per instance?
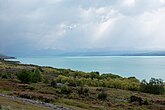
(27, 25)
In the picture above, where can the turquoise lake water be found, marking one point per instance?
(142, 67)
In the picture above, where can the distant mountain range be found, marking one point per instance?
(6, 57)
(92, 52)
(88, 52)
(152, 53)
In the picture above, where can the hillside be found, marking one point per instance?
(6, 57)
(76, 90)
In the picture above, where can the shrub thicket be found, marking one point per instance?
(154, 86)
(36, 76)
(26, 76)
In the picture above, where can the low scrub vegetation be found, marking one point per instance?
(77, 88)
(56, 77)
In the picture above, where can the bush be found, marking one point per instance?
(136, 99)
(146, 102)
(113, 76)
(29, 76)
(65, 89)
(155, 86)
(102, 95)
(24, 76)
(4, 76)
(54, 84)
(36, 76)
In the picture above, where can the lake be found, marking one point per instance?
(142, 67)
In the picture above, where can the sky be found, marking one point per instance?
(31, 25)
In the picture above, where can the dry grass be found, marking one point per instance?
(10, 104)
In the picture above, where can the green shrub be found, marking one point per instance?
(113, 76)
(36, 76)
(24, 76)
(65, 89)
(146, 102)
(92, 75)
(155, 86)
(28, 76)
(4, 76)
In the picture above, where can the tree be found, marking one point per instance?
(155, 86)
(24, 76)
(36, 76)
(94, 75)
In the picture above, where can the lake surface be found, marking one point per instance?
(142, 67)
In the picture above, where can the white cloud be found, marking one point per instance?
(62, 24)
(162, 1)
(129, 2)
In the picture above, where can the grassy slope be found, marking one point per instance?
(8, 103)
(117, 99)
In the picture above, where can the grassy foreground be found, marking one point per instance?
(73, 89)
(10, 104)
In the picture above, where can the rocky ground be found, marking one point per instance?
(34, 102)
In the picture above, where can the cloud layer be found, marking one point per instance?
(71, 24)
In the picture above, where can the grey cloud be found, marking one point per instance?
(70, 24)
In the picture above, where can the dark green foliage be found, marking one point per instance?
(7, 75)
(113, 76)
(24, 76)
(136, 99)
(133, 79)
(65, 89)
(155, 86)
(92, 75)
(36, 76)
(4, 76)
(146, 102)
(53, 84)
